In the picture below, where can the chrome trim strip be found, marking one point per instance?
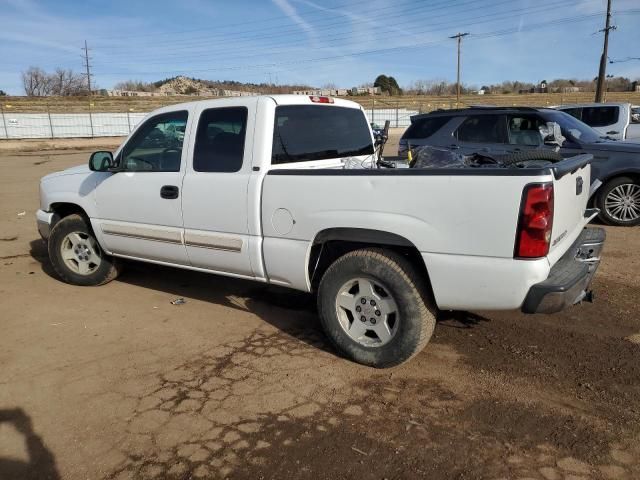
(143, 233)
(214, 242)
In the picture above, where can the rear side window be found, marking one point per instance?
(425, 127)
(574, 112)
(318, 132)
(482, 129)
(220, 140)
(600, 116)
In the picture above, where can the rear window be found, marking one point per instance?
(220, 140)
(600, 116)
(318, 132)
(425, 127)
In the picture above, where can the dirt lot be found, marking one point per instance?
(115, 382)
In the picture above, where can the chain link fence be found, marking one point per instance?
(89, 125)
(67, 125)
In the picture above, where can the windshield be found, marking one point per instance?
(572, 128)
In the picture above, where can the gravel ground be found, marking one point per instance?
(115, 382)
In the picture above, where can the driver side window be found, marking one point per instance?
(157, 145)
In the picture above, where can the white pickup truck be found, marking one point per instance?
(255, 188)
(613, 120)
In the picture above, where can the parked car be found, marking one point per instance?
(612, 120)
(257, 190)
(503, 130)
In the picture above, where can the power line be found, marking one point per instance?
(628, 59)
(235, 55)
(280, 31)
(545, 24)
(328, 40)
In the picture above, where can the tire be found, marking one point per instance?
(527, 156)
(76, 255)
(619, 202)
(396, 326)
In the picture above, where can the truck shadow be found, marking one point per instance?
(292, 312)
(41, 463)
(459, 319)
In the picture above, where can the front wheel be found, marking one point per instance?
(619, 202)
(373, 308)
(76, 255)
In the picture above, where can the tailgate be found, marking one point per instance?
(572, 180)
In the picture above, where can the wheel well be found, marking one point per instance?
(62, 210)
(331, 244)
(635, 176)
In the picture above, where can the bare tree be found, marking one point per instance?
(36, 82)
(66, 83)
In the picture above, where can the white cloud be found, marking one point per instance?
(293, 15)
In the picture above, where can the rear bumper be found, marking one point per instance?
(569, 280)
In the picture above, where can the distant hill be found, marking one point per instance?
(181, 85)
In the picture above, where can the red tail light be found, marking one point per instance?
(317, 99)
(536, 220)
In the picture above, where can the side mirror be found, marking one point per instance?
(101, 161)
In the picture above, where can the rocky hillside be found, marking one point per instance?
(185, 86)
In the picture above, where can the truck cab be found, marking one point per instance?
(612, 120)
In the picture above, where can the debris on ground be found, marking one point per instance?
(361, 452)
(178, 301)
(22, 214)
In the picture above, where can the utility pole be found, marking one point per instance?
(459, 38)
(87, 66)
(603, 59)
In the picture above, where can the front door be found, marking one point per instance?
(215, 200)
(523, 133)
(139, 207)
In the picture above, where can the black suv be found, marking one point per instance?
(505, 130)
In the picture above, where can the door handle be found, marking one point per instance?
(169, 191)
(612, 132)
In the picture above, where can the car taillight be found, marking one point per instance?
(536, 220)
(317, 99)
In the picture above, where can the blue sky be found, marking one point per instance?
(346, 42)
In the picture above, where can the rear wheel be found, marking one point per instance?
(619, 202)
(373, 308)
(76, 255)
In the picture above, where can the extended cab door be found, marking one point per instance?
(215, 187)
(139, 207)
